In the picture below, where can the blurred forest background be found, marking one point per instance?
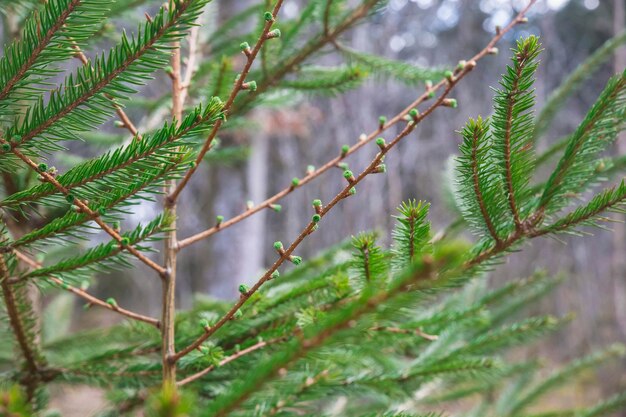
(280, 142)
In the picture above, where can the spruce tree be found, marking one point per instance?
(364, 329)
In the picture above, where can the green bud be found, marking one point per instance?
(75, 208)
(244, 46)
(347, 174)
(250, 85)
(381, 121)
(493, 51)
(204, 323)
(219, 219)
(272, 34)
(111, 301)
(429, 84)
(117, 225)
(6, 147)
(381, 169)
(316, 218)
(343, 165)
(352, 191)
(461, 64)
(414, 113)
(278, 245)
(344, 150)
(431, 94)
(119, 123)
(268, 16)
(275, 274)
(125, 241)
(238, 314)
(310, 169)
(449, 75)
(276, 207)
(381, 143)
(317, 203)
(296, 260)
(42, 167)
(243, 289)
(295, 182)
(450, 102)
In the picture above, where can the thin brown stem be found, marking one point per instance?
(286, 253)
(239, 84)
(398, 330)
(228, 359)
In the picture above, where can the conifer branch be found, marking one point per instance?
(20, 332)
(84, 208)
(240, 84)
(228, 359)
(285, 254)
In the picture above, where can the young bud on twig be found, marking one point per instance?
(492, 51)
(461, 65)
(276, 207)
(42, 167)
(268, 16)
(352, 191)
(381, 143)
(449, 76)
(204, 323)
(117, 226)
(119, 123)
(317, 205)
(279, 247)
(238, 314)
(148, 17)
(498, 29)
(295, 182)
(344, 150)
(111, 301)
(245, 48)
(124, 241)
(382, 120)
(243, 289)
(523, 20)
(316, 218)
(296, 260)
(275, 275)
(273, 34)
(310, 169)
(343, 166)
(414, 114)
(219, 220)
(6, 147)
(380, 169)
(249, 205)
(250, 85)
(362, 137)
(347, 174)
(449, 102)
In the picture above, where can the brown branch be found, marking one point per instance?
(239, 85)
(398, 330)
(85, 295)
(19, 331)
(285, 254)
(84, 208)
(229, 359)
(42, 43)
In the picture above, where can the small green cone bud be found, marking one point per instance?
(119, 123)
(192, 164)
(449, 75)
(42, 167)
(343, 165)
(352, 191)
(317, 203)
(6, 147)
(237, 348)
(429, 84)
(243, 289)
(296, 260)
(238, 314)
(295, 182)
(344, 150)
(450, 102)
(276, 207)
(461, 64)
(16, 139)
(272, 34)
(347, 174)
(268, 16)
(310, 169)
(169, 70)
(117, 226)
(381, 143)
(380, 169)
(431, 94)
(111, 301)
(219, 220)
(493, 51)
(316, 218)
(85, 285)
(204, 323)
(315, 227)
(382, 120)
(275, 274)
(244, 46)
(69, 198)
(125, 241)
(414, 113)
(278, 246)
(250, 85)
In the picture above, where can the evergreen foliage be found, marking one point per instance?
(361, 330)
